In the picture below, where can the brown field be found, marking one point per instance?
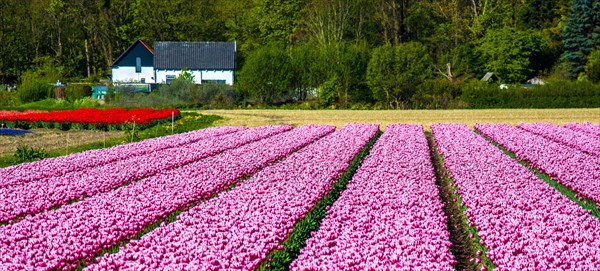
(51, 139)
(253, 118)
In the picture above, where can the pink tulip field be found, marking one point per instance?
(61, 165)
(313, 197)
(524, 223)
(572, 138)
(36, 196)
(571, 167)
(587, 127)
(395, 186)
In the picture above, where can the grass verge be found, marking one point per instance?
(281, 259)
(581, 200)
(189, 121)
(463, 235)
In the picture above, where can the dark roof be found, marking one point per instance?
(194, 55)
(130, 48)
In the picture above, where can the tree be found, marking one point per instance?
(328, 20)
(277, 20)
(592, 69)
(186, 75)
(309, 69)
(538, 14)
(395, 72)
(582, 34)
(346, 65)
(267, 75)
(513, 55)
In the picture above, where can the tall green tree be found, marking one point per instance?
(278, 20)
(513, 55)
(16, 52)
(267, 76)
(538, 14)
(395, 72)
(309, 69)
(582, 34)
(592, 69)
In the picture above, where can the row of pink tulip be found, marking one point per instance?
(572, 138)
(570, 167)
(586, 127)
(237, 230)
(53, 167)
(389, 217)
(60, 238)
(38, 196)
(523, 222)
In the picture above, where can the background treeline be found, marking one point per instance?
(325, 53)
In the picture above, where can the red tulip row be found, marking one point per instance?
(55, 167)
(60, 238)
(92, 116)
(570, 167)
(38, 196)
(237, 230)
(523, 222)
(389, 217)
(572, 138)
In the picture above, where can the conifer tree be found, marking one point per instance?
(582, 34)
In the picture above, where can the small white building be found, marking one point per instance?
(135, 65)
(208, 62)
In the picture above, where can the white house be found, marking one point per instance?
(135, 65)
(208, 62)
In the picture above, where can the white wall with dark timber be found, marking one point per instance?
(200, 76)
(226, 76)
(128, 74)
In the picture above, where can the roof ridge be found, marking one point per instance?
(147, 46)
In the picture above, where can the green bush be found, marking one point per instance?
(9, 98)
(77, 92)
(36, 84)
(438, 94)
(180, 93)
(86, 102)
(25, 153)
(33, 88)
(215, 96)
(328, 91)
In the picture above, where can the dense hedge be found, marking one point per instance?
(563, 94)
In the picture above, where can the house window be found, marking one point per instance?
(138, 64)
(214, 82)
(170, 78)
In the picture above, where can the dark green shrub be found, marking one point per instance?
(77, 92)
(25, 153)
(558, 94)
(437, 94)
(9, 98)
(328, 91)
(33, 88)
(215, 96)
